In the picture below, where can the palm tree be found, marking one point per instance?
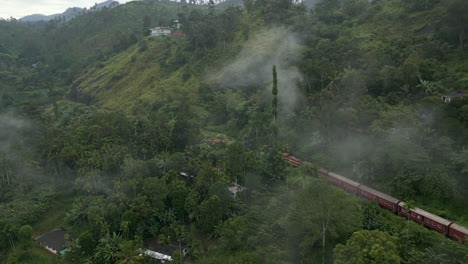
(408, 207)
(108, 248)
(332, 86)
(129, 253)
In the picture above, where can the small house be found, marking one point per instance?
(176, 24)
(55, 241)
(235, 188)
(162, 253)
(450, 96)
(186, 175)
(160, 32)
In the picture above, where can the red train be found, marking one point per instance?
(395, 205)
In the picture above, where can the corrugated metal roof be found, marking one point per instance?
(344, 179)
(379, 194)
(157, 255)
(55, 239)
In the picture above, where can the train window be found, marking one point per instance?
(434, 224)
(419, 217)
(439, 226)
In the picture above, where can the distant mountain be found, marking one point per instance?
(70, 12)
(38, 17)
(108, 3)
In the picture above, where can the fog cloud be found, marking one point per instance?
(253, 66)
(11, 128)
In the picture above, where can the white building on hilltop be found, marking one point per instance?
(160, 32)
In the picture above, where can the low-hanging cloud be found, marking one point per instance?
(11, 128)
(253, 66)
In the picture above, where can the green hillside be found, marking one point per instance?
(134, 80)
(123, 138)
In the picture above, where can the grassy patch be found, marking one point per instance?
(55, 216)
(40, 255)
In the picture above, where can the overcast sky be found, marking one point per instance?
(21, 8)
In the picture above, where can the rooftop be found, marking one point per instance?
(456, 94)
(55, 239)
(153, 244)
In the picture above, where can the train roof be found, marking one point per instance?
(344, 179)
(431, 216)
(459, 228)
(323, 170)
(379, 194)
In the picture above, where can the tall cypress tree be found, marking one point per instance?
(274, 91)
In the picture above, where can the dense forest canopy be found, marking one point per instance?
(119, 137)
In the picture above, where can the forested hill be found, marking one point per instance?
(125, 140)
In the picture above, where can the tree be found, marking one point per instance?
(108, 249)
(146, 25)
(332, 214)
(87, 243)
(212, 212)
(235, 161)
(353, 84)
(368, 247)
(354, 8)
(249, 5)
(274, 91)
(129, 253)
(416, 5)
(25, 236)
(329, 11)
(461, 159)
(178, 193)
(211, 7)
(407, 208)
(235, 233)
(457, 20)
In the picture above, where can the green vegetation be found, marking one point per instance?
(120, 137)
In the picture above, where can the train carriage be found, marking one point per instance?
(435, 222)
(382, 199)
(414, 214)
(458, 232)
(343, 182)
(293, 160)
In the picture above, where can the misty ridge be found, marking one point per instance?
(17, 144)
